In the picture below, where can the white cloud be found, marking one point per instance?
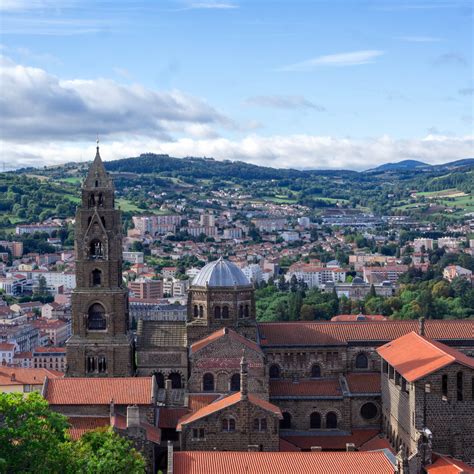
(35, 105)
(212, 5)
(292, 151)
(284, 102)
(341, 59)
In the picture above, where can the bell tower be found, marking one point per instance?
(101, 344)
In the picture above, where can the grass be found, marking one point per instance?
(71, 180)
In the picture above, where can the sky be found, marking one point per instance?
(303, 84)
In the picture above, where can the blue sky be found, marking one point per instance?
(307, 84)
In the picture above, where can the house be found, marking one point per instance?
(23, 380)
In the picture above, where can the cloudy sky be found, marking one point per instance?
(303, 84)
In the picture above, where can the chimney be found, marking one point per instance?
(350, 447)
(13, 377)
(253, 448)
(170, 469)
(133, 416)
(112, 408)
(316, 449)
(244, 368)
(421, 326)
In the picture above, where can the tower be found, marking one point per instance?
(100, 345)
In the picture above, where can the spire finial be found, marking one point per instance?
(97, 141)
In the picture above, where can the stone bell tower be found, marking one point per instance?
(100, 345)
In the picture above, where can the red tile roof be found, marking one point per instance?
(414, 356)
(286, 446)
(99, 391)
(304, 333)
(198, 345)
(448, 465)
(48, 349)
(227, 402)
(359, 317)
(83, 424)
(196, 402)
(332, 441)
(27, 376)
(377, 442)
(169, 417)
(364, 382)
(232, 462)
(305, 388)
(7, 346)
(152, 432)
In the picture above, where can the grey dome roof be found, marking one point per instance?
(221, 273)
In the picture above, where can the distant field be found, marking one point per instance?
(71, 180)
(127, 206)
(279, 199)
(446, 193)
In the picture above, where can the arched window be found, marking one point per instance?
(175, 378)
(285, 423)
(90, 364)
(241, 311)
(208, 383)
(361, 361)
(201, 311)
(315, 371)
(235, 383)
(217, 312)
(160, 380)
(225, 312)
(247, 311)
(96, 317)
(96, 249)
(101, 199)
(315, 421)
(368, 411)
(331, 421)
(102, 364)
(196, 311)
(96, 277)
(92, 200)
(228, 424)
(274, 371)
(459, 386)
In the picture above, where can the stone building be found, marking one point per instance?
(427, 399)
(101, 344)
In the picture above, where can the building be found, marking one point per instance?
(100, 344)
(427, 399)
(207, 219)
(423, 244)
(23, 380)
(49, 357)
(22, 229)
(56, 331)
(7, 351)
(26, 336)
(153, 310)
(16, 248)
(315, 276)
(133, 257)
(146, 289)
(391, 273)
(455, 271)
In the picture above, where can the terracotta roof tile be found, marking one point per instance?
(359, 317)
(27, 376)
(286, 446)
(448, 465)
(198, 345)
(414, 356)
(227, 402)
(83, 424)
(196, 402)
(99, 391)
(377, 442)
(332, 441)
(368, 382)
(305, 388)
(237, 462)
(304, 333)
(169, 417)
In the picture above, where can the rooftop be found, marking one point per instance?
(198, 345)
(221, 273)
(305, 388)
(26, 376)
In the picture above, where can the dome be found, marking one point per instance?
(221, 273)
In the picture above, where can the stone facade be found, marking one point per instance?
(100, 344)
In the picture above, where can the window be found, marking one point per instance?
(444, 386)
(96, 277)
(208, 383)
(96, 249)
(90, 364)
(241, 311)
(92, 200)
(247, 311)
(285, 423)
(96, 319)
(404, 385)
(101, 200)
(315, 421)
(385, 367)
(102, 364)
(235, 383)
(201, 311)
(274, 371)
(459, 386)
(315, 371)
(160, 380)
(368, 411)
(228, 424)
(217, 312)
(331, 420)
(196, 311)
(175, 378)
(225, 312)
(361, 361)
(260, 424)
(198, 433)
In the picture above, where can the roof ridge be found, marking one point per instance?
(431, 343)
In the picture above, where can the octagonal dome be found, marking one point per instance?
(221, 273)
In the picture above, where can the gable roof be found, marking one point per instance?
(226, 402)
(99, 391)
(414, 356)
(236, 462)
(449, 465)
(312, 333)
(26, 376)
(198, 345)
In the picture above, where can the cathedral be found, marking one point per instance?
(224, 381)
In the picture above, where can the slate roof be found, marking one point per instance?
(152, 334)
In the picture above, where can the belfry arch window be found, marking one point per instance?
(362, 362)
(247, 311)
(225, 312)
(235, 383)
(201, 311)
(101, 200)
(176, 380)
(102, 364)
(217, 312)
(196, 311)
(96, 317)
(160, 380)
(241, 311)
(92, 200)
(96, 249)
(96, 277)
